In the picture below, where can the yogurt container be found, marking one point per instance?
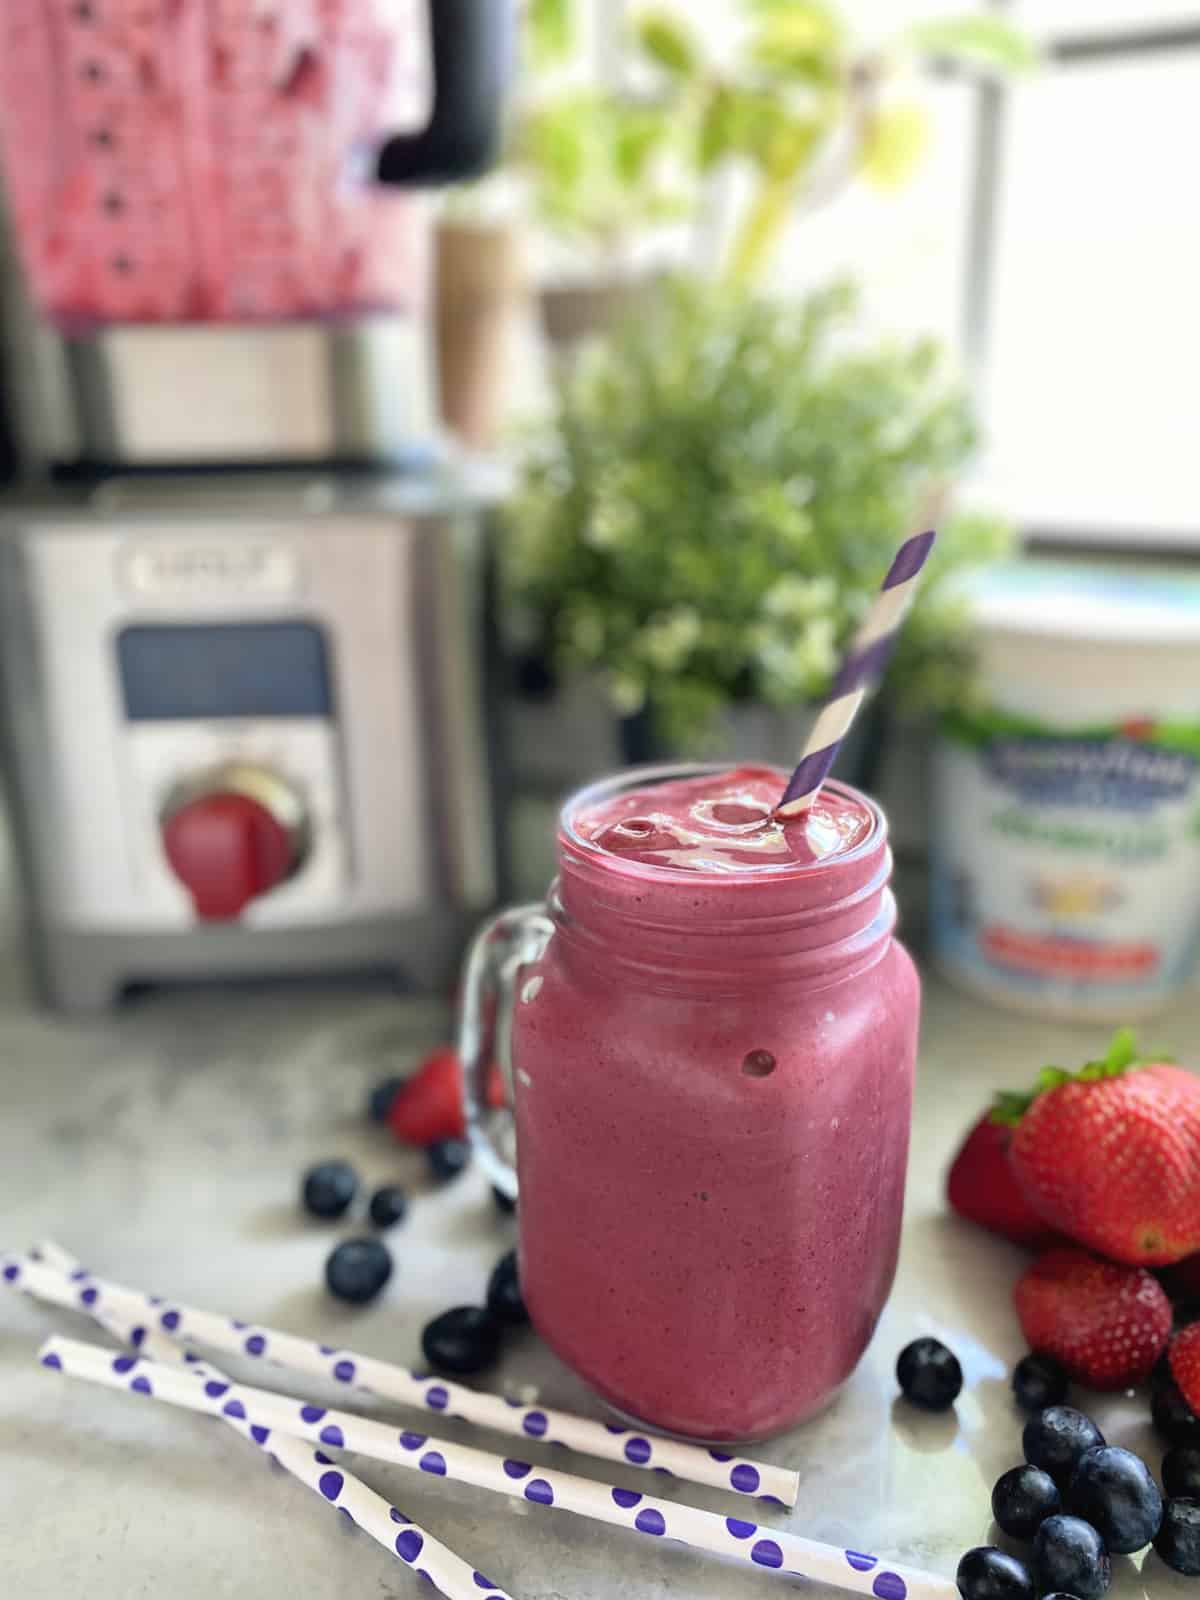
(1066, 838)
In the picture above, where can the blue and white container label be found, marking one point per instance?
(1066, 861)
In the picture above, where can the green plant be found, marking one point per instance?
(548, 31)
(594, 159)
(797, 102)
(588, 157)
(802, 105)
(715, 501)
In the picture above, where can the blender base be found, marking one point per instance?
(83, 972)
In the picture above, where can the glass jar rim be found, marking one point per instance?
(640, 777)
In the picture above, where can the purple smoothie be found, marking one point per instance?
(713, 1091)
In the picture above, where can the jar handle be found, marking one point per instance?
(499, 950)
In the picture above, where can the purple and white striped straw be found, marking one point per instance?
(862, 667)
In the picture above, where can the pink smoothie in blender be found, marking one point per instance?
(171, 160)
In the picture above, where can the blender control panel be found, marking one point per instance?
(233, 761)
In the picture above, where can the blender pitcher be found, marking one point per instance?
(235, 160)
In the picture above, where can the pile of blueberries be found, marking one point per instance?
(1076, 1500)
(463, 1340)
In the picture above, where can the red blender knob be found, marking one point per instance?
(227, 845)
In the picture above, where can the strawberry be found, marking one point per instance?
(429, 1105)
(1106, 1324)
(1110, 1156)
(981, 1187)
(1185, 1362)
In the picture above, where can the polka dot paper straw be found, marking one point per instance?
(741, 1540)
(864, 665)
(609, 1441)
(397, 1533)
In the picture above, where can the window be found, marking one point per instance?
(1058, 17)
(1090, 350)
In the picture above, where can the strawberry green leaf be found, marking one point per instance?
(1123, 1049)
(1121, 1056)
(1008, 1108)
(1122, 1052)
(1011, 1105)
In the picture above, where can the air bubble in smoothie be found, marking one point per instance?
(722, 823)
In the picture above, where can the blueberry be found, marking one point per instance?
(379, 1101)
(1160, 1372)
(1069, 1555)
(389, 1205)
(464, 1340)
(1173, 1417)
(986, 1573)
(1056, 1438)
(1113, 1490)
(1178, 1542)
(929, 1375)
(447, 1158)
(329, 1188)
(504, 1292)
(1023, 1499)
(357, 1270)
(1181, 1472)
(505, 1203)
(1039, 1381)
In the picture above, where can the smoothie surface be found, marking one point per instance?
(721, 823)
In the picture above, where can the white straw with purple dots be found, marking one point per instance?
(718, 1468)
(398, 1534)
(746, 1542)
(863, 666)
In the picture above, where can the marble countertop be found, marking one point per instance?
(164, 1146)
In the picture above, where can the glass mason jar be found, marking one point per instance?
(712, 1082)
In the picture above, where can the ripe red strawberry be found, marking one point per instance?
(1107, 1324)
(1111, 1155)
(1185, 1362)
(429, 1105)
(981, 1187)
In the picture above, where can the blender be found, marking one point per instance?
(242, 629)
(209, 204)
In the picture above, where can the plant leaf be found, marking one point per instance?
(762, 127)
(792, 147)
(808, 23)
(667, 42)
(979, 39)
(717, 137)
(896, 140)
(802, 40)
(637, 136)
(550, 30)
